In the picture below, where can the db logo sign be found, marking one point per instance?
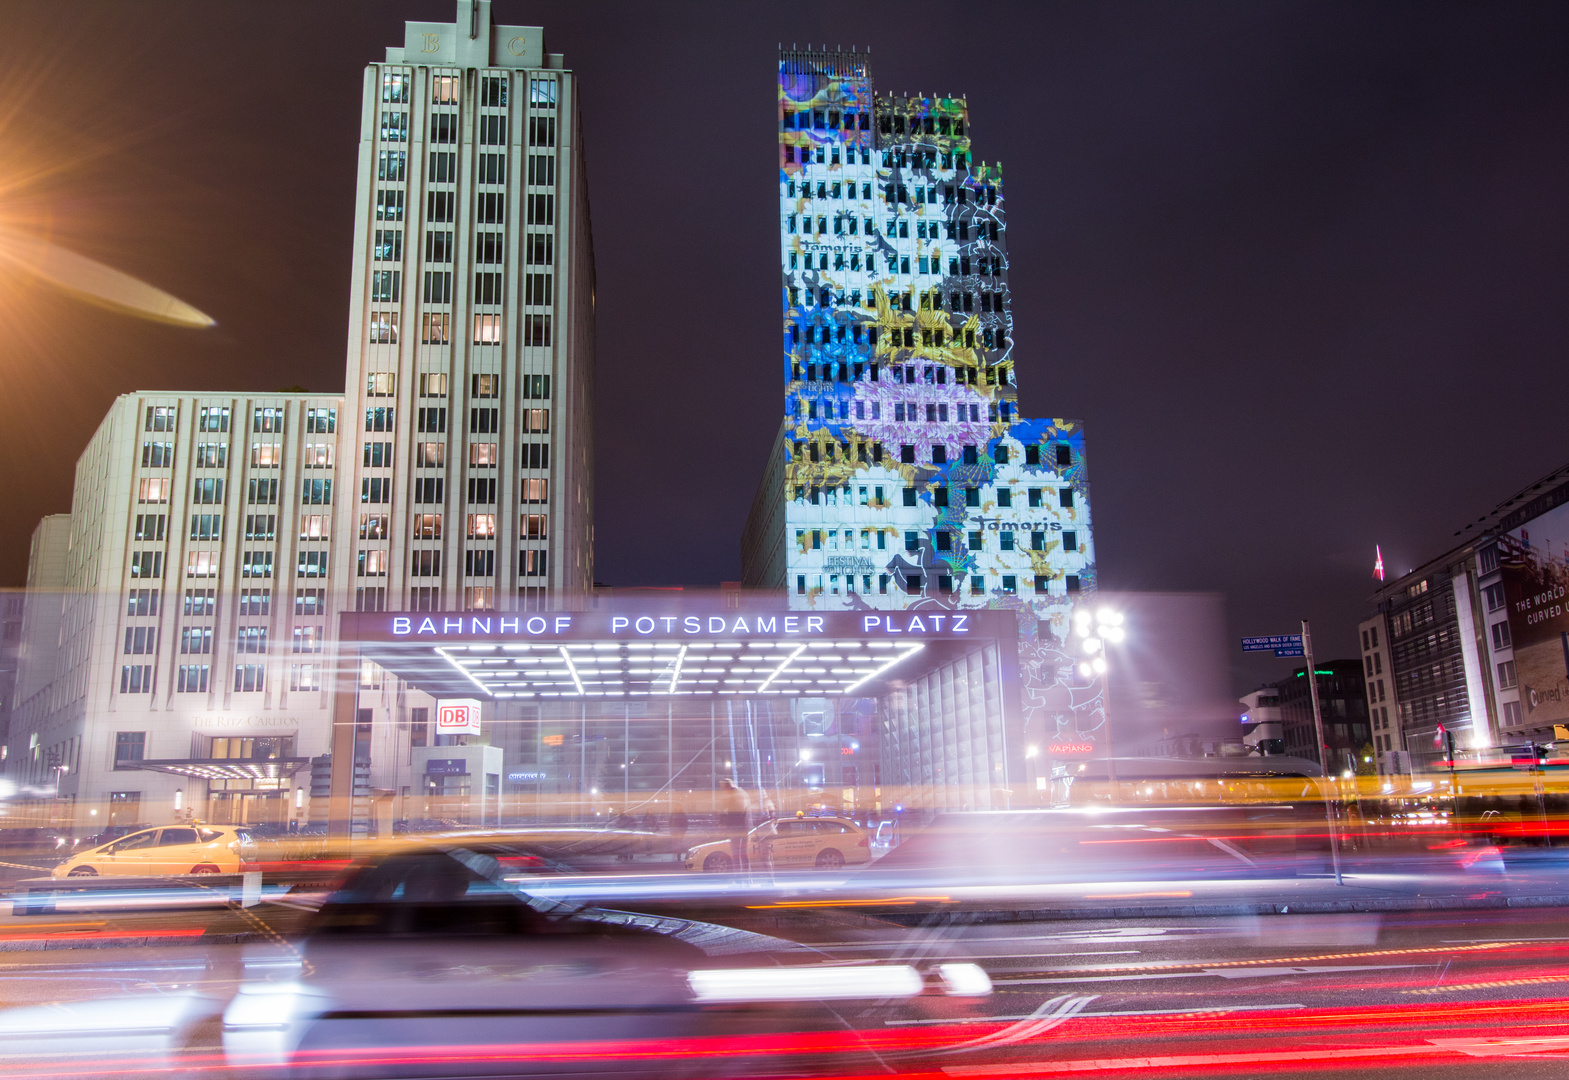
(457, 717)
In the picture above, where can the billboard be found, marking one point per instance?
(1534, 560)
(457, 716)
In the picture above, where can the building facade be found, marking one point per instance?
(903, 476)
(1343, 707)
(470, 371)
(180, 640)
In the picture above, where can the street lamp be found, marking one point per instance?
(1095, 630)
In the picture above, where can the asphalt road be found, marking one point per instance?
(1447, 994)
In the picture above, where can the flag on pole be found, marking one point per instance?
(1378, 562)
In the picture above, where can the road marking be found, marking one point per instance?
(1224, 973)
(1181, 1060)
(1216, 1010)
(1488, 985)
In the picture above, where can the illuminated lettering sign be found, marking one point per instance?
(1070, 749)
(457, 716)
(579, 625)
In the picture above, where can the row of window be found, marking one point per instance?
(477, 562)
(903, 412)
(481, 489)
(160, 455)
(195, 679)
(198, 640)
(202, 602)
(434, 455)
(209, 490)
(1061, 454)
(942, 539)
(264, 419)
(433, 419)
(912, 583)
(830, 496)
(845, 370)
(428, 526)
(894, 194)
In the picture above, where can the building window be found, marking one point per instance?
(1511, 713)
(433, 384)
(129, 746)
(1501, 639)
(192, 678)
(136, 679)
(1506, 675)
(487, 328)
(373, 563)
(250, 678)
(304, 677)
(154, 489)
(1065, 498)
(254, 601)
(1494, 595)
(1071, 582)
(213, 418)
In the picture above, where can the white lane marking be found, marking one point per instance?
(1223, 973)
(1025, 1068)
(1500, 941)
(1517, 1046)
(1197, 1011)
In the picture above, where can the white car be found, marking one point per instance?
(429, 962)
(787, 844)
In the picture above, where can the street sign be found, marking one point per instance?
(1279, 644)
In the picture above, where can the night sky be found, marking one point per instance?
(1302, 269)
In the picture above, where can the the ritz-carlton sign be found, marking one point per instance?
(438, 625)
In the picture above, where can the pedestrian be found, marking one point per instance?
(734, 812)
(678, 827)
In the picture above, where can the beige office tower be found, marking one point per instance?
(471, 330)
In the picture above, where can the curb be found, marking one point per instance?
(127, 942)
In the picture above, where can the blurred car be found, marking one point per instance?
(172, 849)
(789, 843)
(430, 961)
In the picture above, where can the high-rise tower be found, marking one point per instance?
(903, 476)
(471, 329)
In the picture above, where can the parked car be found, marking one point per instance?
(172, 849)
(789, 843)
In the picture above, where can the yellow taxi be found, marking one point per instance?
(173, 849)
(789, 843)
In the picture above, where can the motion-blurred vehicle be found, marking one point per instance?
(789, 843)
(170, 850)
(430, 961)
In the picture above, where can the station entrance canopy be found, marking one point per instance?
(558, 655)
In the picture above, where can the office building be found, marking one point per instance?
(471, 331)
(1343, 708)
(180, 647)
(1475, 637)
(902, 476)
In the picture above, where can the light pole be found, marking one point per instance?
(1095, 630)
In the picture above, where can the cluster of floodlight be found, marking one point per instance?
(639, 668)
(1095, 630)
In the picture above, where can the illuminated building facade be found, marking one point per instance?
(181, 652)
(903, 476)
(471, 331)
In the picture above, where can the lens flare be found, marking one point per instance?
(96, 283)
